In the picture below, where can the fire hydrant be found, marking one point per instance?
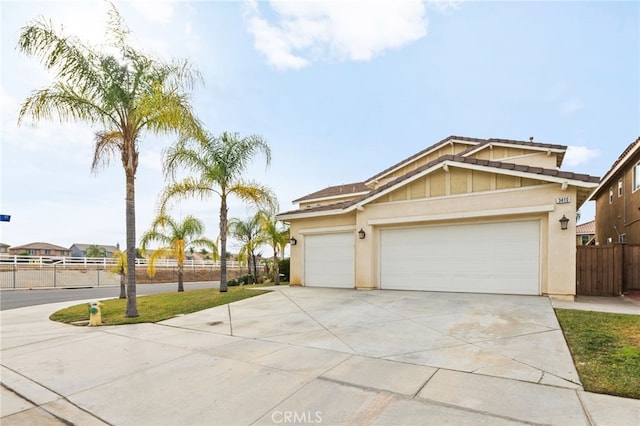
(95, 316)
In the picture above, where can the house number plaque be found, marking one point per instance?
(563, 200)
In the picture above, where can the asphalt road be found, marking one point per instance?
(11, 299)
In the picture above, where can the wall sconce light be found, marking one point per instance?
(293, 241)
(564, 222)
(361, 234)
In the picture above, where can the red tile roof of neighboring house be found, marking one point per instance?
(335, 191)
(587, 228)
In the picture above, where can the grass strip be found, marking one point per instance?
(157, 307)
(605, 349)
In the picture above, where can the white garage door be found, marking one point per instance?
(329, 260)
(479, 258)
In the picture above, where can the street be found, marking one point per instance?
(11, 299)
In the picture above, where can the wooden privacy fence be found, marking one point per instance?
(608, 270)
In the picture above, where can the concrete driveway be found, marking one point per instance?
(306, 356)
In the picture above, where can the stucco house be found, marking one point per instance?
(586, 233)
(618, 200)
(463, 215)
(80, 250)
(40, 249)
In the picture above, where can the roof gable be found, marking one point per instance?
(473, 145)
(445, 163)
(621, 162)
(40, 246)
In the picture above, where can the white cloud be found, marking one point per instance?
(571, 106)
(577, 155)
(159, 11)
(443, 6)
(358, 30)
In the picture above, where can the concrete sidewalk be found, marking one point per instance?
(305, 356)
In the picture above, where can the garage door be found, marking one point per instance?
(329, 260)
(479, 258)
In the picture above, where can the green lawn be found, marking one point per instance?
(605, 349)
(157, 307)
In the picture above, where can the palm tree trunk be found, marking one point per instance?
(132, 307)
(276, 268)
(223, 243)
(255, 267)
(180, 286)
(123, 280)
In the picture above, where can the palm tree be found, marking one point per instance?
(125, 93)
(95, 250)
(120, 267)
(248, 232)
(277, 236)
(219, 163)
(175, 238)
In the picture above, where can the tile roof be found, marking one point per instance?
(39, 246)
(479, 142)
(457, 159)
(335, 191)
(326, 207)
(586, 228)
(485, 163)
(626, 155)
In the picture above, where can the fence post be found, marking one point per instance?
(55, 276)
(98, 273)
(15, 267)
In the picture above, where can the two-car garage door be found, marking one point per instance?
(478, 258)
(495, 257)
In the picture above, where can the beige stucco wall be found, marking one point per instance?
(557, 247)
(517, 155)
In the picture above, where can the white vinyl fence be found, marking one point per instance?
(59, 272)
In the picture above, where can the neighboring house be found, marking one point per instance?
(80, 250)
(40, 249)
(618, 200)
(463, 215)
(4, 248)
(586, 233)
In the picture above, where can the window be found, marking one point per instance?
(611, 195)
(47, 252)
(619, 188)
(635, 184)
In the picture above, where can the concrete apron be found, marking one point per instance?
(303, 355)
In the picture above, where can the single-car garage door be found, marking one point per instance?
(479, 258)
(329, 260)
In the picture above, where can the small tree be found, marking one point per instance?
(95, 250)
(120, 268)
(219, 164)
(175, 238)
(276, 234)
(248, 233)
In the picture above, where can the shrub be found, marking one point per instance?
(284, 265)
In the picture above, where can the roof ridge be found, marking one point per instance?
(621, 157)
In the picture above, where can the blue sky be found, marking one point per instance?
(340, 90)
